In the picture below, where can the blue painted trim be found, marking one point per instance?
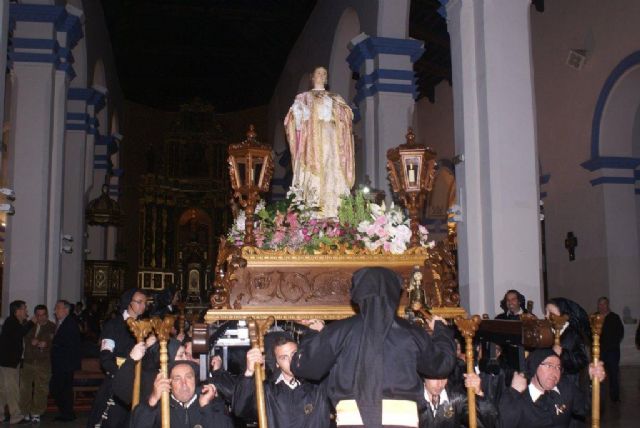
(543, 195)
(38, 13)
(78, 116)
(383, 73)
(544, 179)
(624, 65)
(371, 47)
(637, 191)
(89, 95)
(612, 180)
(614, 162)
(100, 166)
(76, 127)
(636, 174)
(26, 43)
(384, 87)
(442, 10)
(118, 172)
(100, 158)
(357, 116)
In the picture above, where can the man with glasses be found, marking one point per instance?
(548, 399)
(291, 403)
(188, 408)
(116, 343)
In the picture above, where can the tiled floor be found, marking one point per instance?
(622, 415)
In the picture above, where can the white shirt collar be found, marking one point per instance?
(293, 384)
(535, 393)
(187, 404)
(444, 398)
(125, 315)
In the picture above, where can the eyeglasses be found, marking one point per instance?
(285, 357)
(140, 302)
(552, 366)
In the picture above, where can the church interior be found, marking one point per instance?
(120, 116)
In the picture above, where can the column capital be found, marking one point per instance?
(66, 32)
(368, 47)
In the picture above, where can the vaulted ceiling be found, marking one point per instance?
(231, 52)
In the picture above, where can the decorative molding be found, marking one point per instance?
(371, 47)
(614, 162)
(612, 180)
(618, 71)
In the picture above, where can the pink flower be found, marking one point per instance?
(307, 238)
(292, 219)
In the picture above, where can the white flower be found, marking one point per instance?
(260, 206)
(377, 210)
(240, 221)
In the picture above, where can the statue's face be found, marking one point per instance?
(319, 77)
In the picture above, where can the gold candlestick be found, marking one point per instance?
(140, 329)
(468, 328)
(557, 323)
(596, 321)
(257, 329)
(163, 328)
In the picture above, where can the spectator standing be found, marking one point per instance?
(36, 368)
(610, 338)
(65, 359)
(11, 347)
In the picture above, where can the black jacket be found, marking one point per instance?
(551, 410)
(306, 406)
(455, 412)
(11, 345)
(574, 352)
(612, 333)
(408, 350)
(65, 348)
(209, 416)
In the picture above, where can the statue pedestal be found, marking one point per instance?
(288, 286)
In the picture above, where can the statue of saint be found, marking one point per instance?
(319, 132)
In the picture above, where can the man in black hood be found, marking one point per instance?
(548, 400)
(372, 360)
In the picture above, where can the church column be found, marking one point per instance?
(41, 60)
(494, 113)
(78, 134)
(95, 166)
(385, 97)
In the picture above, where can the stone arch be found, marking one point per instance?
(340, 80)
(616, 108)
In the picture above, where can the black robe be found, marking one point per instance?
(209, 416)
(408, 350)
(115, 329)
(306, 406)
(551, 410)
(455, 412)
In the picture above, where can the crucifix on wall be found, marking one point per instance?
(570, 243)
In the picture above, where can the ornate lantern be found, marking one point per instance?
(411, 172)
(104, 211)
(250, 170)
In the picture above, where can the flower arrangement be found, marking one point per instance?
(360, 224)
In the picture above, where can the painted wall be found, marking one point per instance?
(566, 100)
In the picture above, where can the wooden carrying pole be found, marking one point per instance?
(257, 329)
(140, 329)
(468, 328)
(163, 328)
(557, 323)
(596, 321)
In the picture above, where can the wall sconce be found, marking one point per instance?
(570, 243)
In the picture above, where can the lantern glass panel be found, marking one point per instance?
(412, 166)
(256, 172)
(241, 168)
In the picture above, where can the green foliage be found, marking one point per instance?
(353, 209)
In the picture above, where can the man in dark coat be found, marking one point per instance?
(447, 407)
(610, 339)
(116, 343)
(371, 360)
(548, 400)
(14, 329)
(290, 402)
(65, 359)
(189, 408)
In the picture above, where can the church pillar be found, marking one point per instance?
(499, 231)
(385, 97)
(41, 58)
